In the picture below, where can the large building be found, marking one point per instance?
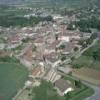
(63, 86)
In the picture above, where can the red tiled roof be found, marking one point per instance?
(14, 39)
(28, 54)
(37, 71)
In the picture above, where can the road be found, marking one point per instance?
(96, 89)
(19, 92)
(96, 95)
(80, 53)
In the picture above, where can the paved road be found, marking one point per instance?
(96, 95)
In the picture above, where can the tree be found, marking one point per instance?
(78, 83)
(62, 46)
(63, 58)
(49, 18)
(93, 36)
(96, 55)
(89, 41)
(76, 49)
(71, 26)
(68, 96)
(72, 58)
(81, 42)
(84, 45)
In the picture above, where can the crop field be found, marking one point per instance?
(12, 78)
(87, 74)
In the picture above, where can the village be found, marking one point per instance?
(47, 51)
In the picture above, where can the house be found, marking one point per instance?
(51, 47)
(74, 41)
(39, 41)
(51, 59)
(27, 30)
(38, 56)
(14, 41)
(64, 36)
(85, 35)
(67, 35)
(29, 81)
(38, 71)
(57, 17)
(63, 86)
(66, 48)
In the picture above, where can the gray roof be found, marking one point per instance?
(62, 85)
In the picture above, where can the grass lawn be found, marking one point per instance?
(83, 61)
(12, 78)
(86, 60)
(90, 51)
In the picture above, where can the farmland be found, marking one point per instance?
(87, 74)
(12, 78)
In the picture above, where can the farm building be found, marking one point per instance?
(63, 86)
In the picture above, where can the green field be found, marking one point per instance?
(90, 51)
(86, 60)
(12, 78)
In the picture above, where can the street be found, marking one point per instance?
(96, 89)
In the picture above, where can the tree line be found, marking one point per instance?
(7, 21)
